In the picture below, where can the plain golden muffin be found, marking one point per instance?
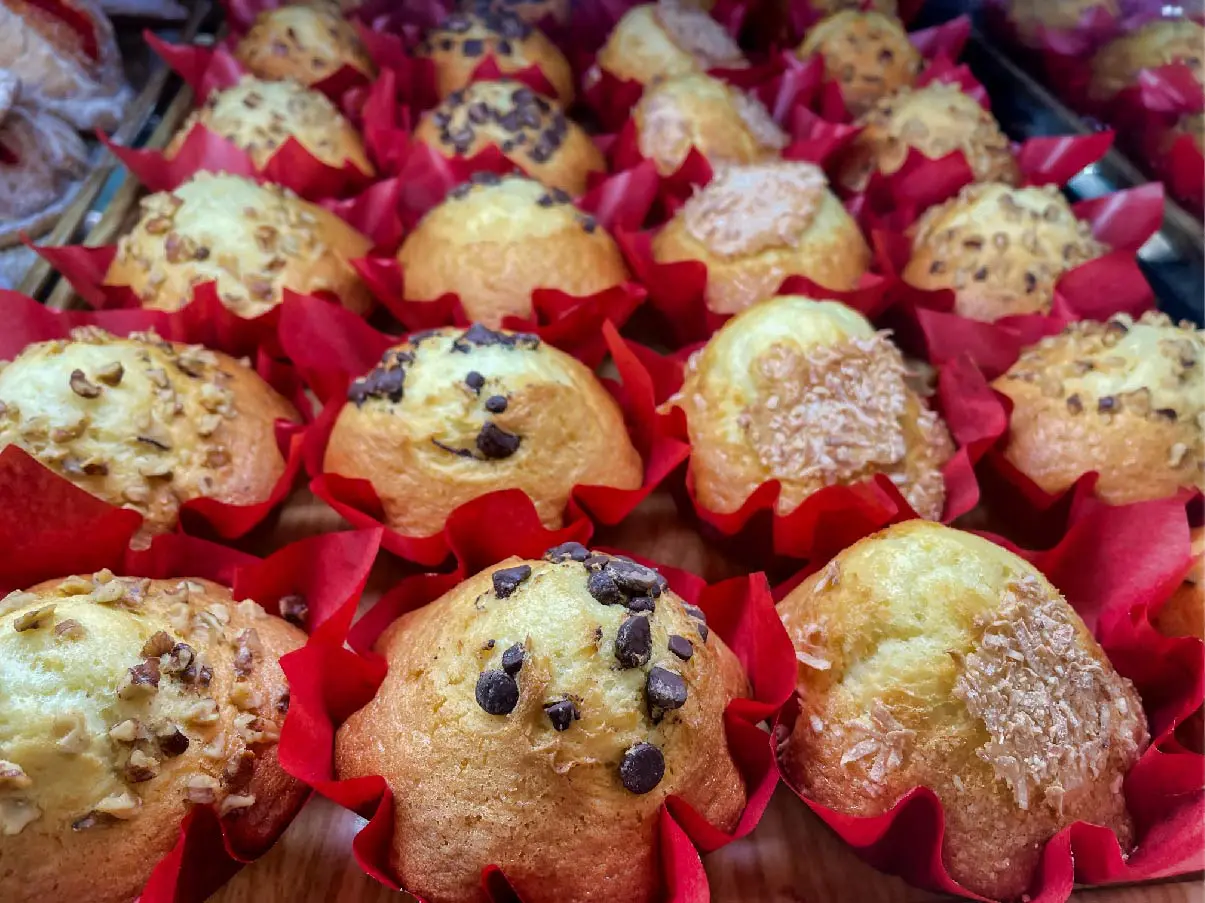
(931, 657)
(667, 38)
(454, 414)
(253, 240)
(935, 120)
(259, 116)
(462, 42)
(1124, 398)
(144, 423)
(529, 129)
(725, 124)
(1000, 249)
(756, 224)
(305, 43)
(1032, 17)
(126, 702)
(807, 393)
(867, 53)
(1116, 66)
(536, 717)
(495, 239)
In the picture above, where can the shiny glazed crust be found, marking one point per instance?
(867, 53)
(305, 43)
(664, 39)
(1117, 65)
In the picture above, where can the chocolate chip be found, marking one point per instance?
(1166, 413)
(642, 603)
(458, 452)
(497, 692)
(479, 113)
(512, 659)
(633, 577)
(704, 631)
(589, 223)
(473, 47)
(1074, 404)
(504, 48)
(561, 196)
(664, 690)
(495, 442)
(474, 380)
(596, 561)
(695, 612)
(496, 404)
(489, 644)
(642, 768)
(562, 714)
(485, 177)
(681, 647)
(602, 586)
(382, 382)
(1106, 404)
(572, 551)
(1031, 283)
(544, 200)
(507, 580)
(634, 642)
(482, 336)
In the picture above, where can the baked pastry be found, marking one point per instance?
(724, 123)
(757, 224)
(67, 59)
(253, 240)
(1117, 65)
(582, 692)
(531, 11)
(1031, 17)
(144, 423)
(807, 393)
(867, 53)
(931, 657)
(454, 414)
(529, 129)
(462, 42)
(667, 38)
(886, 7)
(126, 702)
(1183, 614)
(306, 43)
(1001, 249)
(1123, 398)
(495, 239)
(260, 116)
(935, 120)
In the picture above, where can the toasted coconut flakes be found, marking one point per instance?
(880, 738)
(695, 32)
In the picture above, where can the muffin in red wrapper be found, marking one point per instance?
(794, 18)
(658, 859)
(1065, 29)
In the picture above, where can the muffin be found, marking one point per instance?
(464, 40)
(807, 393)
(144, 423)
(724, 123)
(935, 120)
(451, 415)
(1183, 614)
(667, 38)
(126, 702)
(886, 7)
(931, 657)
(253, 240)
(305, 43)
(260, 116)
(1123, 398)
(867, 53)
(529, 129)
(1000, 249)
(757, 224)
(496, 239)
(1117, 65)
(531, 11)
(536, 717)
(1032, 17)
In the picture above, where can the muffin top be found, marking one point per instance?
(304, 42)
(868, 53)
(1118, 64)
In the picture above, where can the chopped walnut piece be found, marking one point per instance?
(141, 767)
(160, 643)
(128, 731)
(119, 805)
(74, 586)
(293, 608)
(140, 680)
(236, 802)
(13, 776)
(81, 387)
(72, 731)
(215, 748)
(250, 610)
(70, 629)
(15, 600)
(178, 616)
(249, 649)
(16, 814)
(204, 711)
(245, 697)
(202, 789)
(219, 612)
(254, 729)
(177, 659)
(33, 620)
(239, 769)
(111, 374)
(109, 593)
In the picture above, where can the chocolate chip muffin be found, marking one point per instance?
(868, 54)
(303, 42)
(1117, 65)
(536, 717)
(495, 239)
(667, 38)
(531, 11)
(463, 41)
(530, 130)
(1123, 398)
(126, 702)
(454, 414)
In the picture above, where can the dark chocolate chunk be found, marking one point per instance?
(665, 690)
(459, 452)
(642, 768)
(512, 659)
(479, 113)
(457, 193)
(642, 603)
(473, 47)
(1106, 404)
(1166, 413)
(695, 612)
(495, 442)
(507, 580)
(293, 608)
(497, 692)
(504, 48)
(474, 380)
(561, 196)
(544, 200)
(573, 551)
(596, 561)
(703, 629)
(483, 336)
(562, 714)
(446, 44)
(541, 152)
(602, 586)
(681, 647)
(634, 642)
(489, 644)
(589, 223)
(633, 577)
(496, 404)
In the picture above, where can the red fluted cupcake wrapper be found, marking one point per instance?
(329, 682)
(331, 347)
(610, 98)
(1183, 168)
(1096, 27)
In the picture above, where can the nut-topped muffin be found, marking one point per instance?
(1117, 65)
(529, 129)
(583, 691)
(303, 42)
(667, 38)
(126, 702)
(144, 423)
(454, 414)
(867, 53)
(1124, 398)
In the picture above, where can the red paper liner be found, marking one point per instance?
(330, 681)
(1096, 27)
(331, 347)
(1183, 168)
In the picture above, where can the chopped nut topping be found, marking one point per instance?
(111, 374)
(235, 803)
(141, 767)
(215, 748)
(13, 776)
(32, 620)
(172, 741)
(141, 680)
(16, 814)
(72, 731)
(202, 789)
(70, 629)
(109, 593)
(74, 586)
(15, 600)
(159, 644)
(204, 711)
(255, 730)
(250, 610)
(128, 731)
(81, 387)
(245, 697)
(293, 608)
(249, 648)
(119, 805)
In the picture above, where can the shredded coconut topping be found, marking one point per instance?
(759, 121)
(699, 35)
(880, 743)
(1055, 714)
(809, 646)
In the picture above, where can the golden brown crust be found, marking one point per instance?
(887, 7)
(807, 393)
(1116, 66)
(931, 657)
(126, 701)
(667, 38)
(430, 437)
(548, 806)
(1122, 398)
(1031, 17)
(754, 225)
(253, 240)
(529, 129)
(935, 120)
(259, 116)
(496, 239)
(867, 53)
(466, 38)
(305, 43)
(1001, 249)
(1184, 613)
(531, 11)
(146, 424)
